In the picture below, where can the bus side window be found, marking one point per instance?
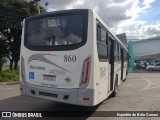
(115, 50)
(101, 43)
(107, 41)
(98, 33)
(118, 51)
(103, 36)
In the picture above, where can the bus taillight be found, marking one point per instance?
(85, 72)
(23, 70)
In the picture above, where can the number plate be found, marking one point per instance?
(49, 77)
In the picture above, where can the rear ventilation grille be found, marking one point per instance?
(48, 94)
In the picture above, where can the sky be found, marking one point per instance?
(139, 19)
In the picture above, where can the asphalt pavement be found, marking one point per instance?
(140, 92)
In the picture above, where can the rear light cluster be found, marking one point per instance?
(85, 72)
(23, 70)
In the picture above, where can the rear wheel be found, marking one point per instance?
(115, 87)
(125, 76)
(150, 69)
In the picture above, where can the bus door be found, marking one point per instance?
(122, 63)
(111, 64)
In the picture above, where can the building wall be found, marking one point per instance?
(146, 47)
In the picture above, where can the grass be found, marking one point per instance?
(9, 75)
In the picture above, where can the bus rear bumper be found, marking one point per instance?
(70, 96)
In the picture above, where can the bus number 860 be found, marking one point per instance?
(69, 58)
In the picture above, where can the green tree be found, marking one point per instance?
(3, 51)
(12, 13)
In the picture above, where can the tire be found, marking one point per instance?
(150, 69)
(125, 76)
(114, 93)
(126, 72)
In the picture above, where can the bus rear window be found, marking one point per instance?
(55, 31)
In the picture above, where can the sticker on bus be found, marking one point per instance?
(49, 77)
(31, 75)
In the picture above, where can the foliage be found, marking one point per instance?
(12, 14)
(3, 52)
(4, 60)
(8, 76)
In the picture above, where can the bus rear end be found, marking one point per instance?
(56, 57)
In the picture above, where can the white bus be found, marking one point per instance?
(71, 56)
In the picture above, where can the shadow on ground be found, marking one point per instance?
(25, 103)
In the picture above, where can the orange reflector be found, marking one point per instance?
(85, 98)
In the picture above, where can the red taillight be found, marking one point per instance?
(23, 70)
(85, 72)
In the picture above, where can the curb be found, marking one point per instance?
(9, 83)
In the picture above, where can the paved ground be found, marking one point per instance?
(8, 91)
(140, 92)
